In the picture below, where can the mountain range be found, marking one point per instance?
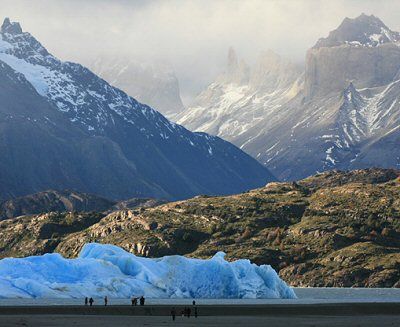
(63, 127)
(340, 111)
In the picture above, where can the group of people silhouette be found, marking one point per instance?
(89, 301)
(186, 311)
(134, 301)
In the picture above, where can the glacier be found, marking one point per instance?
(107, 270)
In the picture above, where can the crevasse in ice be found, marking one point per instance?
(109, 270)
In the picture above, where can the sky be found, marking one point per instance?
(193, 36)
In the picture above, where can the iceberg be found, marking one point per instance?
(102, 270)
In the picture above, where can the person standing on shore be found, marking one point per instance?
(105, 301)
(173, 313)
(91, 301)
(142, 299)
(86, 301)
(195, 308)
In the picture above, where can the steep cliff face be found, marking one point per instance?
(328, 69)
(362, 50)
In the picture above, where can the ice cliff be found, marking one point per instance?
(109, 270)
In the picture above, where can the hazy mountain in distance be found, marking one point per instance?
(234, 105)
(342, 112)
(152, 83)
(63, 127)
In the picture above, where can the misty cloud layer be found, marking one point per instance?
(192, 35)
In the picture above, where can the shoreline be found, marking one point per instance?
(325, 309)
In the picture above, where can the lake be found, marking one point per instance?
(305, 296)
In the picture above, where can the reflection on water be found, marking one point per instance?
(305, 295)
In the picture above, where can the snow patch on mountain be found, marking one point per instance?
(362, 31)
(60, 82)
(240, 99)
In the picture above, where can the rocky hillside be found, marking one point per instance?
(68, 201)
(332, 229)
(51, 200)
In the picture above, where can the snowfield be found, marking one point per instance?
(109, 270)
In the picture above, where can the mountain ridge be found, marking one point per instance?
(78, 132)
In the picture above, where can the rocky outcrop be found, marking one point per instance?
(32, 235)
(137, 202)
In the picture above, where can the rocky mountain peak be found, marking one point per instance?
(10, 27)
(350, 89)
(351, 95)
(364, 30)
(237, 71)
(23, 45)
(361, 49)
(233, 63)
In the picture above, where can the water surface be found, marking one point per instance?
(305, 296)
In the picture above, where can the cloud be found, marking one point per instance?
(193, 35)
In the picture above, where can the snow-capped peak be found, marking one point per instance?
(72, 88)
(85, 99)
(364, 30)
(237, 71)
(10, 28)
(23, 45)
